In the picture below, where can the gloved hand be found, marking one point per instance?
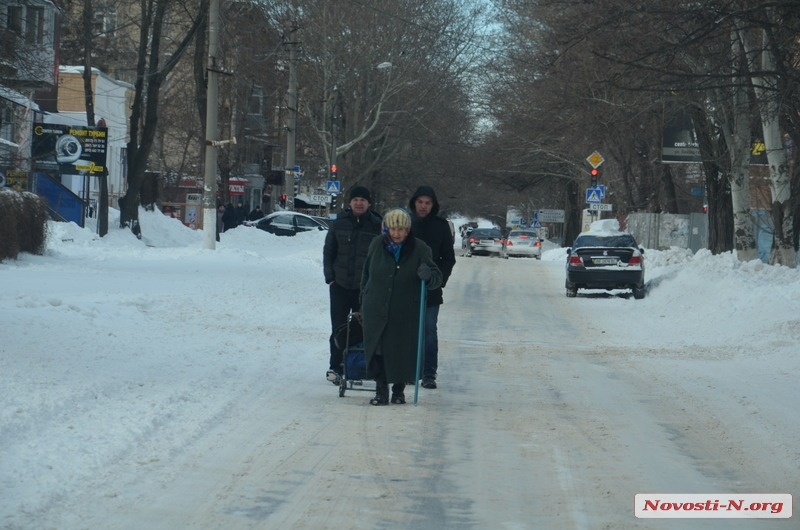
(424, 272)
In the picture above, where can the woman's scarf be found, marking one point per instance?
(393, 248)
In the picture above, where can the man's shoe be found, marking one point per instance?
(333, 377)
(428, 382)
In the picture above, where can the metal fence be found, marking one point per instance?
(662, 231)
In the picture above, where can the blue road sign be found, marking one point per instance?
(593, 196)
(334, 186)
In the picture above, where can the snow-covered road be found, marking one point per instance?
(552, 413)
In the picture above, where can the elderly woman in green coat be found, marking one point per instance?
(396, 264)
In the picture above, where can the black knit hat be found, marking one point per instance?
(360, 191)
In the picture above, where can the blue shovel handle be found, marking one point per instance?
(421, 335)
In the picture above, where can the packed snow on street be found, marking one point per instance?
(156, 384)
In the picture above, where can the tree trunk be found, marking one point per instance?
(670, 196)
(783, 251)
(573, 213)
(144, 110)
(720, 216)
(736, 131)
(88, 47)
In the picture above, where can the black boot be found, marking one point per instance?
(397, 393)
(381, 393)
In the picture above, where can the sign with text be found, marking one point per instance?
(70, 149)
(550, 216)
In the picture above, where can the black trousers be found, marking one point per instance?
(342, 302)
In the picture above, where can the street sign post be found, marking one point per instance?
(320, 199)
(600, 207)
(593, 195)
(550, 216)
(595, 159)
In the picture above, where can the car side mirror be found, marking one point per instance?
(641, 249)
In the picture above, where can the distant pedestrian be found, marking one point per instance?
(240, 213)
(256, 214)
(228, 218)
(220, 224)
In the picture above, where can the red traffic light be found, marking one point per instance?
(283, 197)
(594, 172)
(333, 168)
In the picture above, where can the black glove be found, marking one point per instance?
(424, 272)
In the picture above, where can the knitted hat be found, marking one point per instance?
(397, 218)
(360, 191)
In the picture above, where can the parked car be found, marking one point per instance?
(525, 243)
(605, 260)
(486, 241)
(289, 223)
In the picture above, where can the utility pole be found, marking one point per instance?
(291, 129)
(212, 95)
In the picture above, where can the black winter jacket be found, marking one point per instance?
(346, 246)
(435, 232)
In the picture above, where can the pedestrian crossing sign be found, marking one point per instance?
(593, 196)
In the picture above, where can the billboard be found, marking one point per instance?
(69, 149)
(679, 143)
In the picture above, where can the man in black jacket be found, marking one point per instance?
(343, 259)
(435, 231)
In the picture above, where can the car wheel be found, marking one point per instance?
(638, 293)
(572, 292)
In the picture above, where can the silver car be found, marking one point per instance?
(524, 243)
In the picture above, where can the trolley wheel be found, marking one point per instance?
(342, 386)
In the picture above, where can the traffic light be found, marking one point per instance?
(333, 202)
(594, 173)
(283, 200)
(333, 172)
(296, 188)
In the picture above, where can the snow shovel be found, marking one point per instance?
(421, 341)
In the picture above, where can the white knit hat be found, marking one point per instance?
(397, 218)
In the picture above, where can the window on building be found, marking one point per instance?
(105, 21)
(7, 123)
(256, 104)
(14, 19)
(34, 26)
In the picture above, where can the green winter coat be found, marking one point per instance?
(390, 299)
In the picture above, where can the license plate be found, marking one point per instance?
(604, 261)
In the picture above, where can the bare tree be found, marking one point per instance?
(151, 75)
(376, 82)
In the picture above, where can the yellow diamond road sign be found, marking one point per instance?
(595, 159)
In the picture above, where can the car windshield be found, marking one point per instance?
(486, 233)
(597, 240)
